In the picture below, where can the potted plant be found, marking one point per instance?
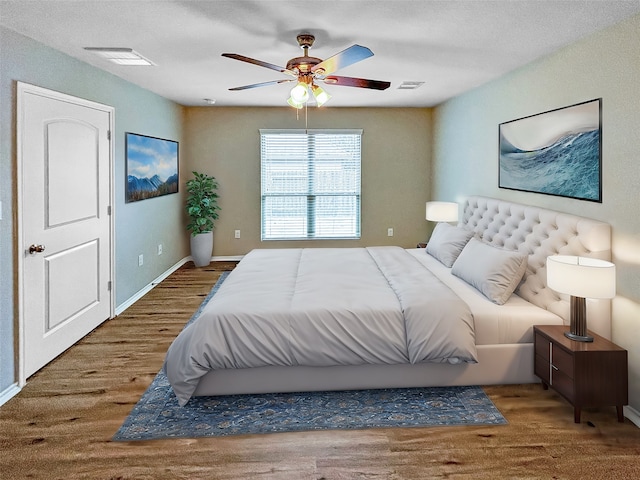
(202, 208)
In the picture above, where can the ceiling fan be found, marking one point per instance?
(306, 71)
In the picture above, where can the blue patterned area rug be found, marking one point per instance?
(157, 414)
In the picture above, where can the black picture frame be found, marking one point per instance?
(557, 152)
(151, 167)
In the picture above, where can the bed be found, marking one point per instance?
(459, 312)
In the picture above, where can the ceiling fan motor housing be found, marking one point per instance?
(305, 63)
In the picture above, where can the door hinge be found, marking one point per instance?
(109, 210)
(109, 285)
(108, 134)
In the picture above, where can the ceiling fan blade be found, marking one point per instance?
(263, 84)
(347, 57)
(356, 82)
(260, 63)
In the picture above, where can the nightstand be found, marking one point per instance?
(587, 374)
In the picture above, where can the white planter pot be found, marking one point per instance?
(201, 248)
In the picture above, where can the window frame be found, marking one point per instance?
(311, 194)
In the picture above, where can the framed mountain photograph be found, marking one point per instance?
(152, 167)
(558, 152)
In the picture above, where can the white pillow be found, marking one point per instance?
(447, 242)
(493, 271)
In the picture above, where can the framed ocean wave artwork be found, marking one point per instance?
(558, 152)
(152, 167)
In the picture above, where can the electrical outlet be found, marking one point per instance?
(159, 249)
(140, 260)
(237, 234)
(389, 232)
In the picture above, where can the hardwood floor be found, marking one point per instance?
(61, 423)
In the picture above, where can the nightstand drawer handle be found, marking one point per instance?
(554, 367)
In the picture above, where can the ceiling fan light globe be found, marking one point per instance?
(320, 95)
(300, 93)
(295, 104)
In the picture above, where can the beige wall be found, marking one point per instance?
(396, 155)
(605, 65)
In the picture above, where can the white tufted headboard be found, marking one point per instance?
(539, 233)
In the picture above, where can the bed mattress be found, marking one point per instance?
(494, 324)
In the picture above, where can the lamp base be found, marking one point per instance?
(578, 338)
(578, 316)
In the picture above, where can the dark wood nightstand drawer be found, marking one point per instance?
(562, 360)
(542, 369)
(563, 385)
(542, 346)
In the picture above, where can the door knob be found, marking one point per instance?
(36, 249)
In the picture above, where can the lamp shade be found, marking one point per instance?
(581, 276)
(442, 211)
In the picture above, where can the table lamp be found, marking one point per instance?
(442, 211)
(580, 277)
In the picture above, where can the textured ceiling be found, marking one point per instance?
(452, 46)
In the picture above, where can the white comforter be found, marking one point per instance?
(323, 307)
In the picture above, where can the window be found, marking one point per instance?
(310, 184)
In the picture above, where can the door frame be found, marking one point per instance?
(22, 90)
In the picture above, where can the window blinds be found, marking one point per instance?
(310, 184)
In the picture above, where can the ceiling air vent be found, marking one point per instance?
(121, 56)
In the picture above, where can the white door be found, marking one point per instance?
(65, 240)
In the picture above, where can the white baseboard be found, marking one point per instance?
(632, 414)
(231, 258)
(143, 291)
(8, 393)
